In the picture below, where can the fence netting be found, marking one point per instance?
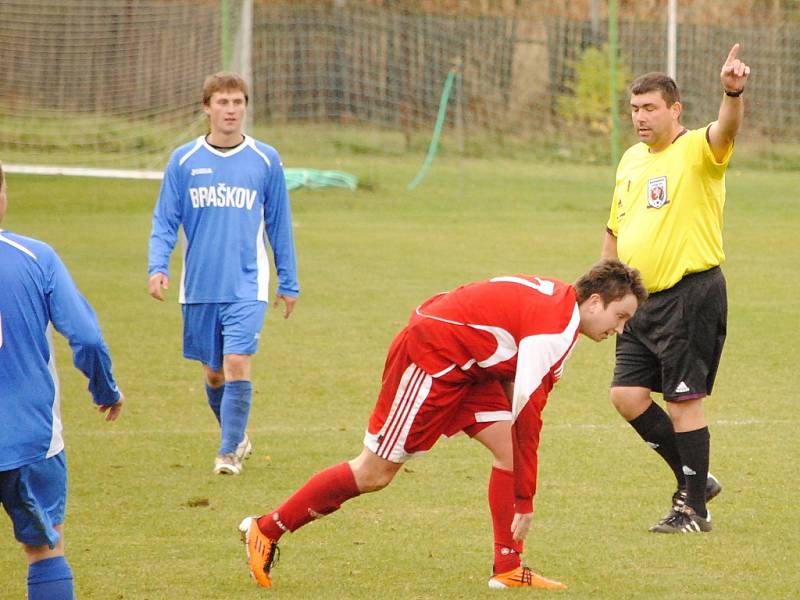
(118, 82)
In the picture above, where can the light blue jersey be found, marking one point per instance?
(36, 290)
(229, 204)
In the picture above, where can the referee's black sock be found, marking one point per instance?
(655, 428)
(694, 447)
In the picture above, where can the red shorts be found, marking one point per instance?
(415, 409)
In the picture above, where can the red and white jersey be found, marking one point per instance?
(518, 328)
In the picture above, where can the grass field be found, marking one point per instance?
(147, 519)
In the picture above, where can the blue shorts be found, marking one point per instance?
(35, 497)
(212, 330)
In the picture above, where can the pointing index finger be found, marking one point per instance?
(732, 54)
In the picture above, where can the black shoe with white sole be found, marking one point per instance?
(713, 488)
(684, 520)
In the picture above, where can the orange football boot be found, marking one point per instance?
(261, 551)
(523, 576)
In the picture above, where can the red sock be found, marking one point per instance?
(321, 495)
(501, 504)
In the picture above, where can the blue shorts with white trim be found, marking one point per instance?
(212, 330)
(35, 497)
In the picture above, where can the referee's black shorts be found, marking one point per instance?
(674, 341)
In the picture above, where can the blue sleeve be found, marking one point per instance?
(278, 218)
(75, 320)
(166, 220)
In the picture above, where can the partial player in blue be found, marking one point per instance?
(37, 290)
(227, 192)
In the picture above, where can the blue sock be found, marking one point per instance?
(50, 579)
(235, 411)
(215, 399)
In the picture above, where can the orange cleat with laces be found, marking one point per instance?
(261, 551)
(524, 577)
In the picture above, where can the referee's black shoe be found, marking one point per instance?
(713, 488)
(684, 520)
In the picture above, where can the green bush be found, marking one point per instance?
(589, 104)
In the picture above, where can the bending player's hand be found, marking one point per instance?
(521, 525)
(112, 410)
(734, 72)
(155, 283)
(288, 302)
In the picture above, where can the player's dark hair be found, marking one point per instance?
(657, 82)
(223, 82)
(2, 177)
(612, 280)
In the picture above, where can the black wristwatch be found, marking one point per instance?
(734, 93)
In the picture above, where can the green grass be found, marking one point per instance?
(147, 520)
(91, 140)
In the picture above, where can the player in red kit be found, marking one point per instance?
(480, 359)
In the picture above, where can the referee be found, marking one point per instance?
(666, 221)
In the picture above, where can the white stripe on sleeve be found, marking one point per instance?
(537, 355)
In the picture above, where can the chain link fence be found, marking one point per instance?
(119, 80)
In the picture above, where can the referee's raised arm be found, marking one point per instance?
(733, 76)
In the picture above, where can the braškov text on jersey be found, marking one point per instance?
(221, 195)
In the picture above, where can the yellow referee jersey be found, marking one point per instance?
(667, 209)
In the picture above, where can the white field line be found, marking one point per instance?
(82, 172)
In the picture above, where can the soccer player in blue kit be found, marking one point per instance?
(228, 193)
(37, 290)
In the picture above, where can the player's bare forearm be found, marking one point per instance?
(731, 115)
(609, 246)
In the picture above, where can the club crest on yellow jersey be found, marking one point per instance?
(657, 192)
